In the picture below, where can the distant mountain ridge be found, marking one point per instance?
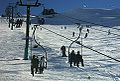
(109, 17)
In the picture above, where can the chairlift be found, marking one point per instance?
(36, 46)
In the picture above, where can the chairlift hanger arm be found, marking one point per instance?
(33, 35)
(74, 40)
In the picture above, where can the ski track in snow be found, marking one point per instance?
(97, 67)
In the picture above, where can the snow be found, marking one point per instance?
(97, 67)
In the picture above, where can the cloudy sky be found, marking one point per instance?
(66, 5)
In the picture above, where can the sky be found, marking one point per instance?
(66, 5)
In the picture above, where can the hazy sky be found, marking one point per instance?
(66, 5)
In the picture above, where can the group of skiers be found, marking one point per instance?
(63, 27)
(37, 64)
(18, 23)
(75, 59)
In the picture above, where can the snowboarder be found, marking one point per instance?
(63, 49)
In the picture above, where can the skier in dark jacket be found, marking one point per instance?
(34, 64)
(79, 59)
(72, 58)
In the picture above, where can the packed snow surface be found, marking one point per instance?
(96, 66)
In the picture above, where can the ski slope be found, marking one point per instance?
(96, 67)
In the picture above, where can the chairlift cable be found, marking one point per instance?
(82, 44)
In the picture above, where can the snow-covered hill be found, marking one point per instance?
(109, 17)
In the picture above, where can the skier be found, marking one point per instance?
(109, 32)
(17, 23)
(72, 58)
(41, 64)
(63, 49)
(34, 65)
(65, 27)
(20, 22)
(61, 27)
(86, 35)
(88, 30)
(73, 34)
(79, 59)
